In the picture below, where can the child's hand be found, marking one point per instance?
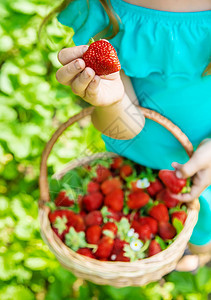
(198, 166)
(97, 90)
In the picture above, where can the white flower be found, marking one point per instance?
(142, 183)
(131, 232)
(113, 256)
(136, 235)
(136, 245)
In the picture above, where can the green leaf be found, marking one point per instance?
(161, 242)
(177, 225)
(36, 263)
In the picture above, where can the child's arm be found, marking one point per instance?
(199, 166)
(115, 115)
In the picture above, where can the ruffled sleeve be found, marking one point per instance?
(85, 21)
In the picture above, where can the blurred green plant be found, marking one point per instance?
(32, 105)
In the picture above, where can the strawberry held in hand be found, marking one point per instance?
(102, 58)
(170, 179)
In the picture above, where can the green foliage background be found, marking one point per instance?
(32, 105)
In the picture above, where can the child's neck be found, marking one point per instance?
(174, 5)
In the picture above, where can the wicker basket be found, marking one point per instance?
(118, 274)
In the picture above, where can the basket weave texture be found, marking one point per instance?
(118, 274)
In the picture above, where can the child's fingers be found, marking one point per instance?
(67, 55)
(91, 93)
(65, 74)
(81, 81)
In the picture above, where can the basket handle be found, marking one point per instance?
(149, 114)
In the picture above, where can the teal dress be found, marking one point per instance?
(164, 54)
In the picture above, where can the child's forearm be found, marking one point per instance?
(121, 120)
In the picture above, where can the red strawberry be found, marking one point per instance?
(118, 246)
(60, 213)
(105, 247)
(159, 212)
(152, 223)
(102, 173)
(110, 226)
(113, 215)
(110, 184)
(63, 200)
(166, 231)
(132, 216)
(86, 252)
(120, 257)
(93, 187)
(154, 248)
(93, 201)
(125, 171)
(102, 58)
(117, 162)
(93, 234)
(115, 200)
(166, 197)
(137, 199)
(180, 215)
(170, 179)
(144, 231)
(155, 187)
(134, 186)
(93, 218)
(78, 223)
(135, 225)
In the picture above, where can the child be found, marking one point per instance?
(163, 48)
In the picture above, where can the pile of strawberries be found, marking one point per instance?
(125, 212)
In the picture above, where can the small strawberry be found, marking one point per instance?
(110, 184)
(78, 223)
(102, 58)
(154, 248)
(86, 252)
(125, 171)
(180, 215)
(102, 173)
(159, 212)
(137, 199)
(63, 200)
(166, 231)
(152, 223)
(60, 227)
(93, 201)
(105, 247)
(134, 187)
(118, 246)
(170, 179)
(155, 187)
(117, 162)
(93, 218)
(144, 231)
(93, 234)
(113, 215)
(93, 187)
(110, 226)
(166, 197)
(115, 200)
(120, 257)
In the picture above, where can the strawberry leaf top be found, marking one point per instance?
(60, 224)
(178, 225)
(75, 240)
(123, 228)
